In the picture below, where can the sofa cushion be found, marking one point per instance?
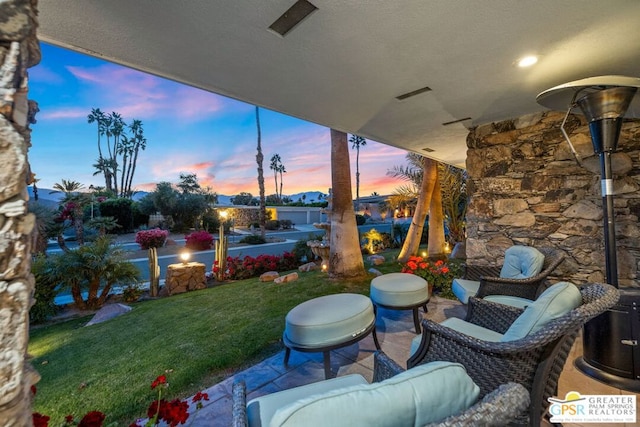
(261, 409)
(553, 303)
(421, 395)
(463, 289)
(521, 262)
(518, 302)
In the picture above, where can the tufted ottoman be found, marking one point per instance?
(325, 323)
(400, 291)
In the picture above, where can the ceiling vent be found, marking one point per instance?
(456, 121)
(413, 93)
(428, 150)
(292, 17)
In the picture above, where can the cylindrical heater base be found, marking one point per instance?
(611, 344)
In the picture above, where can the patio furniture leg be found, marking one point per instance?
(426, 310)
(287, 353)
(375, 337)
(327, 365)
(416, 321)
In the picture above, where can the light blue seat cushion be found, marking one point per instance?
(555, 302)
(328, 320)
(521, 262)
(463, 289)
(509, 300)
(418, 396)
(261, 409)
(463, 327)
(399, 290)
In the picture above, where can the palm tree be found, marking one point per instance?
(75, 203)
(414, 235)
(94, 268)
(345, 258)
(98, 117)
(357, 142)
(259, 160)
(276, 166)
(139, 143)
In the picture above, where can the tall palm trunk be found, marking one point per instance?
(280, 197)
(436, 221)
(259, 160)
(345, 258)
(133, 169)
(358, 177)
(412, 242)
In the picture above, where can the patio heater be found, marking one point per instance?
(610, 341)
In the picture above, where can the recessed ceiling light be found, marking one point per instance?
(527, 61)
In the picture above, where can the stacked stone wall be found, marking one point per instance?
(527, 188)
(19, 50)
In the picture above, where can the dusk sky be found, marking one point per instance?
(187, 130)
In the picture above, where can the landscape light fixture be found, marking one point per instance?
(609, 340)
(184, 256)
(604, 101)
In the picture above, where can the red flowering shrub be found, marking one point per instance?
(40, 420)
(92, 419)
(250, 267)
(438, 274)
(154, 238)
(199, 241)
(172, 413)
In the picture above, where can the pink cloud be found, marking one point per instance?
(62, 113)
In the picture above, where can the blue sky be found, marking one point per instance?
(187, 130)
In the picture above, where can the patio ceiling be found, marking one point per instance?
(345, 65)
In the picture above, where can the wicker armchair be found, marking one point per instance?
(534, 361)
(529, 288)
(498, 408)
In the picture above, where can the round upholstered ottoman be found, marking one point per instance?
(325, 323)
(401, 291)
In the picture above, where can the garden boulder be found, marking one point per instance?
(269, 276)
(108, 312)
(291, 277)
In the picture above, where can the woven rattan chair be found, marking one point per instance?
(529, 288)
(498, 408)
(534, 361)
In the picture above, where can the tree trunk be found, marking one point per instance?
(345, 258)
(412, 242)
(77, 297)
(259, 160)
(436, 221)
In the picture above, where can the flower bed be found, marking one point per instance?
(438, 274)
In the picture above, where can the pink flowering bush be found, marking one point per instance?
(248, 266)
(154, 238)
(199, 241)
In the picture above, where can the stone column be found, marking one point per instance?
(19, 50)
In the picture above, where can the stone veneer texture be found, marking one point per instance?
(19, 50)
(527, 188)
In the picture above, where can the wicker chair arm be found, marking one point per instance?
(523, 288)
(384, 367)
(239, 414)
(435, 332)
(498, 408)
(475, 272)
(491, 315)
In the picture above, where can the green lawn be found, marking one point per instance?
(203, 336)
